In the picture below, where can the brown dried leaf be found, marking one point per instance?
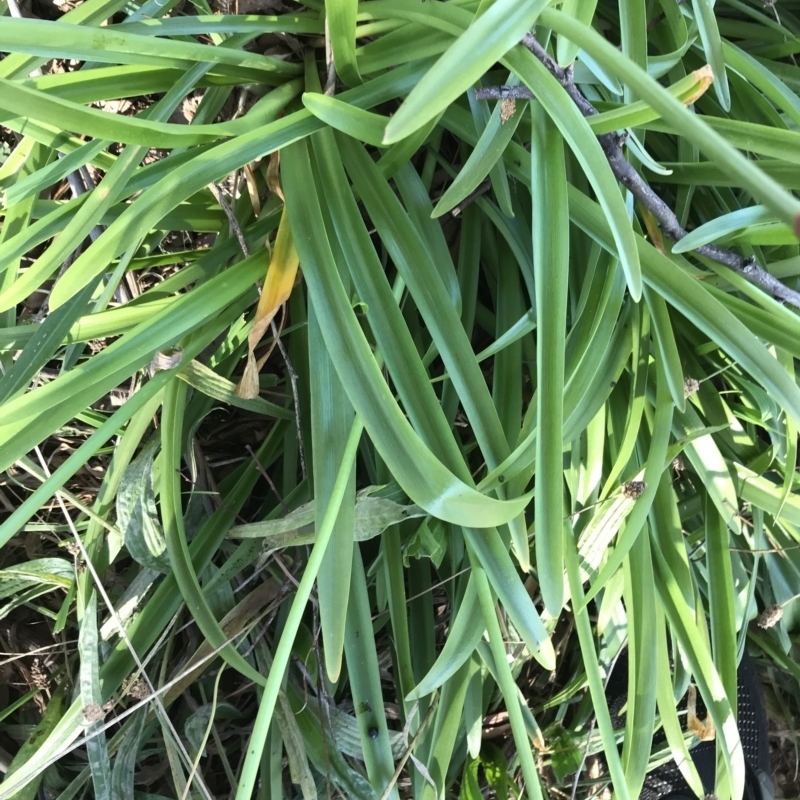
(704, 77)
(704, 731)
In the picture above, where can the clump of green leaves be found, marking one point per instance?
(502, 427)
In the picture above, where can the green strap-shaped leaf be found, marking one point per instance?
(723, 226)
(497, 173)
(17, 219)
(474, 708)
(398, 155)
(365, 682)
(117, 47)
(640, 358)
(582, 10)
(331, 419)
(54, 172)
(486, 41)
(706, 459)
(46, 340)
(633, 32)
(17, 101)
(706, 21)
(414, 195)
(30, 418)
(385, 318)
(415, 263)
(666, 534)
(586, 391)
(669, 714)
(465, 632)
(764, 79)
(362, 125)
(340, 16)
(721, 596)
(631, 115)
(489, 149)
(551, 269)
(751, 136)
(411, 42)
(640, 607)
(116, 81)
(445, 732)
(398, 611)
(224, 23)
(491, 553)
(667, 346)
(89, 14)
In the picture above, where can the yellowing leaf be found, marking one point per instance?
(278, 285)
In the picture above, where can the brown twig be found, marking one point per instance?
(630, 178)
(481, 189)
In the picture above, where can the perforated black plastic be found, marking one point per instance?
(666, 781)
